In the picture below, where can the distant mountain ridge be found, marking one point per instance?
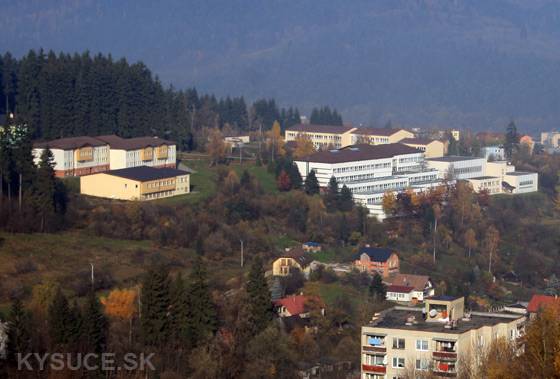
(427, 62)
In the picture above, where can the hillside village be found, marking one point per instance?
(419, 328)
(243, 241)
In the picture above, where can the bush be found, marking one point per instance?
(24, 266)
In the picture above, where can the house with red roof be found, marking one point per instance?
(400, 293)
(422, 287)
(540, 301)
(295, 306)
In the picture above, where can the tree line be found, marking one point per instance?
(74, 95)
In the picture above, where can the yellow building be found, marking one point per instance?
(431, 148)
(441, 337)
(137, 183)
(379, 136)
(323, 136)
(291, 261)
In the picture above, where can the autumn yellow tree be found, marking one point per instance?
(231, 184)
(275, 141)
(43, 294)
(304, 145)
(121, 306)
(217, 148)
(389, 203)
(542, 349)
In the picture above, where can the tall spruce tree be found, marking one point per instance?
(202, 318)
(345, 200)
(311, 184)
(94, 324)
(377, 288)
(155, 302)
(45, 187)
(276, 293)
(61, 322)
(512, 138)
(259, 296)
(18, 331)
(331, 195)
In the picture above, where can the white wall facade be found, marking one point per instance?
(524, 182)
(460, 168)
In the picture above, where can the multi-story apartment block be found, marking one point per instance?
(328, 136)
(497, 176)
(78, 156)
(323, 136)
(140, 151)
(371, 170)
(442, 337)
(379, 136)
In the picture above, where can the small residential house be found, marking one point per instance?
(372, 260)
(311, 247)
(400, 293)
(294, 306)
(422, 287)
(291, 261)
(540, 301)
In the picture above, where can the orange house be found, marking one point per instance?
(372, 260)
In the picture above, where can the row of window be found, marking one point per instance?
(362, 167)
(157, 195)
(161, 184)
(422, 178)
(526, 183)
(353, 178)
(381, 186)
(410, 159)
(467, 170)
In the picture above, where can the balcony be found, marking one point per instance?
(375, 349)
(445, 355)
(379, 369)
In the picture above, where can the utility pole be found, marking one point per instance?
(241, 252)
(92, 281)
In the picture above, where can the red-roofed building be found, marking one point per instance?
(540, 301)
(295, 306)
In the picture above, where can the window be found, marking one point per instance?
(398, 362)
(422, 364)
(398, 343)
(422, 345)
(125, 185)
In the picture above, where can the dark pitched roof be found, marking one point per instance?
(119, 143)
(298, 255)
(376, 131)
(376, 254)
(418, 282)
(418, 141)
(360, 153)
(309, 128)
(70, 143)
(400, 289)
(146, 173)
(453, 158)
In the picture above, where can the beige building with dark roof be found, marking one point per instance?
(136, 183)
(378, 136)
(322, 136)
(431, 148)
(293, 260)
